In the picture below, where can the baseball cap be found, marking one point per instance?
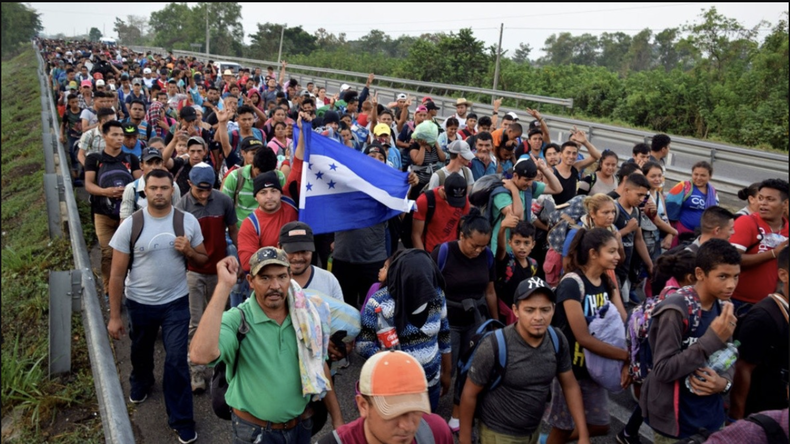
(202, 176)
(267, 256)
(150, 153)
(396, 384)
(530, 286)
(421, 109)
(250, 143)
(129, 129)
(344, 87)
(455, 188)
(147, 71)
(73, 84)
(375, 147)
(381, 128)
(85, 83)
(188, 113)
(401, 96)
(331, 117)
(296, 236)
(268, 179)
(526, 168)
(513, 116)
(196, 140)
(431, 106)
(461, 148)
(100, 82)
(535, 124)
(137, 81)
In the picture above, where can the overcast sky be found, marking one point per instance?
(530, 23)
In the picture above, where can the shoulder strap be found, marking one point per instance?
(490, 257)
(578, 279)
(424, 433)
(760, 236)
(239, 185)
(234, 139)
(138, 220)
(290, 202)
(500, 351)
(241, 333)
(178, 222)
(430, 197)
(443, 249)
(254, 220)
(337, 437)
(442, 177)
(555, 341)
(773, 431)
(782, 308)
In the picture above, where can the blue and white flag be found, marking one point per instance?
(343, 189)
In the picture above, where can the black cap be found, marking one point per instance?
(455, 188)
(296, 236)
(530, 286)
(268, 179)
(150, 153)
(188, 113)
(431, 106)
(376, 147)
(129, 129)
(250, 143)
(331, 117)
(526, 168)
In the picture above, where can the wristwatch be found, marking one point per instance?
(727, 388)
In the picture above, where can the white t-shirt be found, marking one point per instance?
(325, 282)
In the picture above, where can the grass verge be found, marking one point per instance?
(61, 409)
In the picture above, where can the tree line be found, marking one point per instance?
(20, 23)
(710, 79)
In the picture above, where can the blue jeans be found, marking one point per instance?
(433, 396)
(246, 432)
(144, 323)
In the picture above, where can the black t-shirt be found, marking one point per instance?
(93, 162)
(628, 240)
(465, 278)
(595, 296)
(568, 186)
(180, 171)
(510, 273)
(763, 333)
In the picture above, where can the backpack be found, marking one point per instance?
(483, 193)
(564, 219)
(511, 264)
(115, 173)
(606, 326)
(430, 198)
(499, 344)
(641, 361)
(443, 176)
(219, 381)
(235, 138)
(138, 221)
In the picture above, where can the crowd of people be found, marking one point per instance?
(195, 175)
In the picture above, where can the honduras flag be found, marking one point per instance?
(343, 189)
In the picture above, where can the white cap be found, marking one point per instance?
(513, 115)
(100, 82)
(401, 96)
(344, 87)
(147, 71)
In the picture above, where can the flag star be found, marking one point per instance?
(333, 167)
(319, 175)
(309, 186)
(332, 184)
(310, 166)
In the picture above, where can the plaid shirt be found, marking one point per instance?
(744, 431)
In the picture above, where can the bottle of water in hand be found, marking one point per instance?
(720, 361)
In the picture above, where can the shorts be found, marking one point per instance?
(596, 405)
(488, 436)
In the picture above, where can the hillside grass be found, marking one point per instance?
(62, 409)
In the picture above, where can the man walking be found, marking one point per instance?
(153, 246)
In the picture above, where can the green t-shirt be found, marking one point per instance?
(267, 383)
(247, 203)
(503, 200)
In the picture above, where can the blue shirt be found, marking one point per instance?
(393, 158)
(692, 209)
(137, 150)
(479, 169)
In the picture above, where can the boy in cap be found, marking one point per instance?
(130, 143)
(134, 194)
(439, 211)
(512, 411)
(214, 212)
(393, 405)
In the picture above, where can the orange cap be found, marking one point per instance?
(396, 383)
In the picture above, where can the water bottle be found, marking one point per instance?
(719, 361)
(388, 336)
(329, 264)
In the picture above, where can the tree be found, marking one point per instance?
(266, 42)
(614, 47)
(640, 53)
(559, 49)
(127, 34)
(94, 35)
(667, 55)
(20, 23)
(522, 53)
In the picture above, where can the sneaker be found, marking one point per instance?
(623, 439)
(138, 399)
(543, 438)
(455, 424)
(186, 436)
(198, 382)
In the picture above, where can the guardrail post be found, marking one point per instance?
(49, 155)
(712, 156)
(52, 194)
(76, 291)
(60, 309)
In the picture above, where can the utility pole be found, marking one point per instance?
(207, 30)
(498, 54)
(282, 34)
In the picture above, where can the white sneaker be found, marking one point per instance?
(455, 424)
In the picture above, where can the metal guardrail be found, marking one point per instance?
(112, 403)
(771, 164)
(393, 80)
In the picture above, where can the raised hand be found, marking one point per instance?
(725, 323)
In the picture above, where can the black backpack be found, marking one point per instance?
(115, 173)
(219, 382)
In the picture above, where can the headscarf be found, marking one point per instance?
(413, 280)
(154, 114)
